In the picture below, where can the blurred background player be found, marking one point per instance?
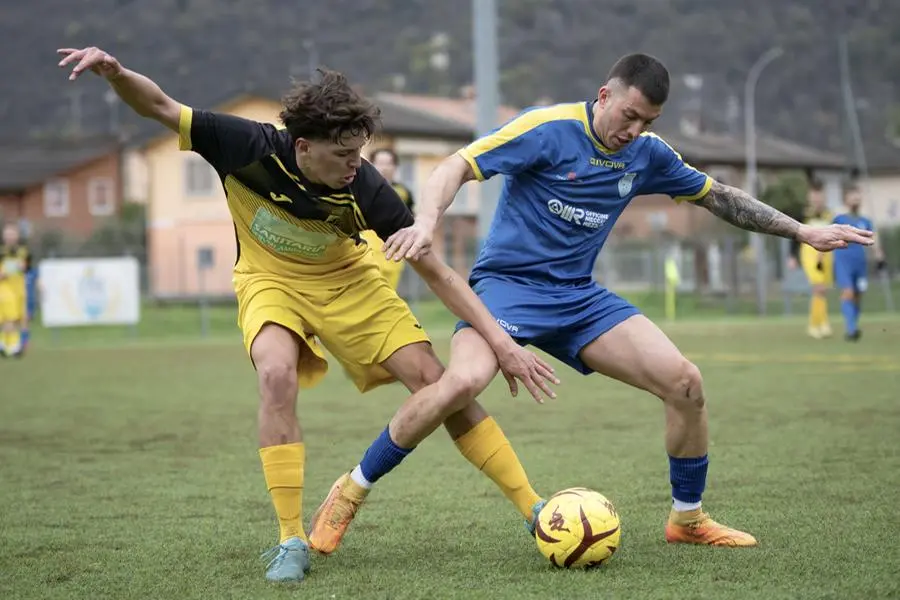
(14, 264)
(386, 161)
(818, 266)
(31, 301)
(850, 268)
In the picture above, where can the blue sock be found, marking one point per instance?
(26, 333)
(381, 457)
(851, 314)
(688, 477)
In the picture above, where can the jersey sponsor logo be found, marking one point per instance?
(287, 238)
(615, 165)
(577, 216)
(626, 183)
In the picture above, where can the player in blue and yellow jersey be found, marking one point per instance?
(15, 261)
(299, 197)
(386, 161)
(850, 265)
(569, 172)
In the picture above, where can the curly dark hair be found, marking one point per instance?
(328, 109)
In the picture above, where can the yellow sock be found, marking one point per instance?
(15, 341)
(487, 448)
(9, 341)
(818, 311)
(813, 312)
(283, 468)
(823, 314)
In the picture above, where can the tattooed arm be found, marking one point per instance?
(743, 210)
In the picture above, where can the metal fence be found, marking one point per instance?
(720, 273)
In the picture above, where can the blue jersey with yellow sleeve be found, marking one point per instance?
(564, 191)
(853, 252)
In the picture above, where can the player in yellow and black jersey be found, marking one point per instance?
(299, 198)
(15, 261)
(386, 161)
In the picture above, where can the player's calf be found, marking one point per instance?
(850, 312)
(275, 354)
(680, 387)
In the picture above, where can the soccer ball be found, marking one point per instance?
(578, 527)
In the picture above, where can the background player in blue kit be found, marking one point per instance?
(850, 268)
(570, 170)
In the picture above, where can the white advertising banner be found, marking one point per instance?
(90, 291)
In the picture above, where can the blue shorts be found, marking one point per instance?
(559, 321)
(850, 274)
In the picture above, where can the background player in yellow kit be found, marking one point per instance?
(386, 161)
(818, 266)
(14, 263)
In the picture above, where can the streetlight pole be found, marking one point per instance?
(487, 99)
(750, 141)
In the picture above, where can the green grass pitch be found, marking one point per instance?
(128, 469)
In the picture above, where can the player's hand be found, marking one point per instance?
(833, 237)
(93, 59)
(517, 363)
(410, 242)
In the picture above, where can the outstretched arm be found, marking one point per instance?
(137, 91)
(743, 210)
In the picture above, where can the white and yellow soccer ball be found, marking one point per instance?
(578, 528)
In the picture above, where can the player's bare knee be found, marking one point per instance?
(685, 388)
(460, 389)
(277, 383)
(431, 371)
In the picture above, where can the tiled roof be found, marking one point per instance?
(30, 162)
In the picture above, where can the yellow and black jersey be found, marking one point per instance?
(15, 261)
(287, 226)
(814, 218)
(405, 194)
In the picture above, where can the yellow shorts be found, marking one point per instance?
(809, 258)
(362, 324)
(12, 302)
(391, 270)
